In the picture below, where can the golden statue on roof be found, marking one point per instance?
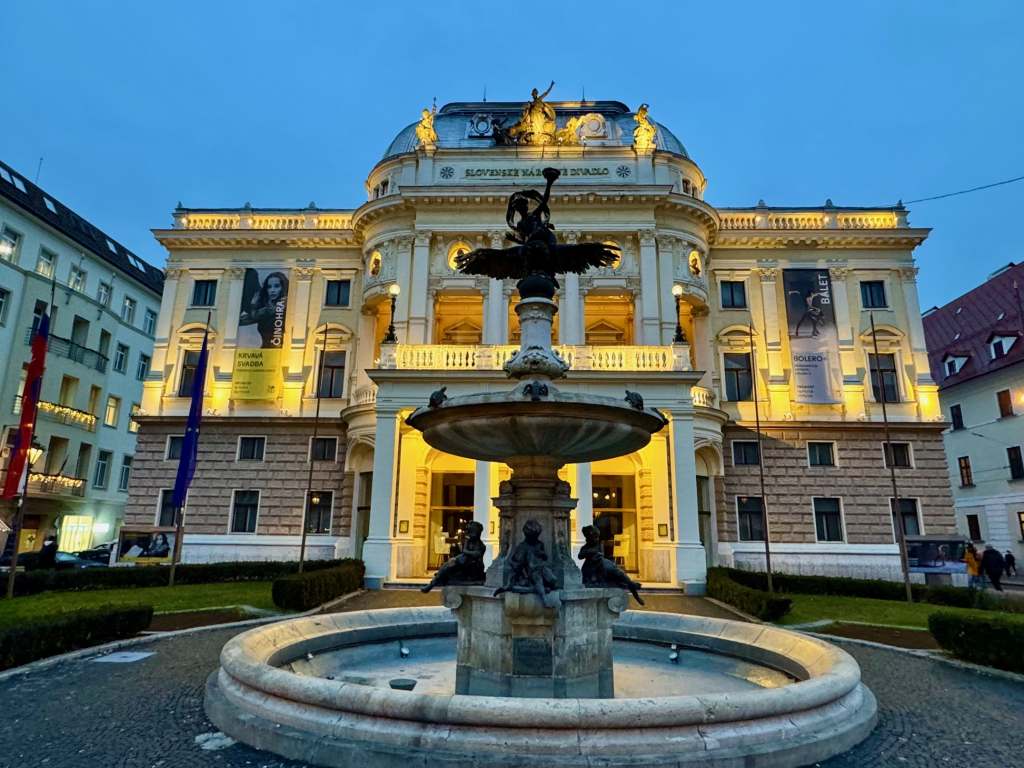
(535, 126)
(425, 133)
(643, 134)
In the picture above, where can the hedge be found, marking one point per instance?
(877, 589)
(995, 641)
(45, 636)
(34, 582)
(750, 600)
(302, 591)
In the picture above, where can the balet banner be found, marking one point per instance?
(261, 335)
(813, 341)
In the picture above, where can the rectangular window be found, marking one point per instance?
(750, 511)
(126, 474)
(245, 507)
(204, 293)
(251, 448)
(966, 478)
(1005, 401)
(103, 294)
(5, 302)
(45, 262)
(828, 519)
(734, 294)
(1020, 523)
(1013, 455)
(142, 367)
(956, 416)
(332, 374)
(102, 472)
(128, 310)
(872, 294)
(909, 514)
(174, 443)
(884, 382)
(133, 425)
(897, 455)
(821, 455)
(318, 515)
(149, 322)
(738, 380)
(165, 514)
(77, 278)
(37, 314)
(113, 411)
(745, 453)
(973, 527)
(337, 293)
(9, 242)
(324, 449)
(120, 358)
(189, 363)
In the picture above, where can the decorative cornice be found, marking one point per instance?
(832, 238)
(178, 239)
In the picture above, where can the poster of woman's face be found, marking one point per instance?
(145, 547)
(263, 310)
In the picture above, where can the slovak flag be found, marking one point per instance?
(190, 443)
(17, 467)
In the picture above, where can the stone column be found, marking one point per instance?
(908, 281)
(482, 502)
(649, 320)
(235, 277)
(768, 275)
(494, 303)
(571, 326)
(417, 333)
(302, 303)
(400, 251)
(703, 350)
(377, 547)
(691, 563)
(667, 247)
(584, 505)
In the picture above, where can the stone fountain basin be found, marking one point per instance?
(567, 427)
(334, 723)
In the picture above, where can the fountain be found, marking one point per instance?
(518, 666)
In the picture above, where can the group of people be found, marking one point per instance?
(989, 565)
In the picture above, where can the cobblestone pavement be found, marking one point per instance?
(149, 713)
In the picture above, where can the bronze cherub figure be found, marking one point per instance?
(538, 251)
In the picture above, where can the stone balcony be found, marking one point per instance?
(492, 357)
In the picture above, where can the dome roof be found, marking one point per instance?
(467, 125)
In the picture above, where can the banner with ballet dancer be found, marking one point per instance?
(813, 339)
(261, 335)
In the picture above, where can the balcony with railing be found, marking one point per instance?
(492, 357)
(62, 414)
(62, 347)
(55, 485)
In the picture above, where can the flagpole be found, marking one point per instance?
(19, 515)
(309, 478)
(192, 447)
(760, 461)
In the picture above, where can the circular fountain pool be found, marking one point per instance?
(318, 689)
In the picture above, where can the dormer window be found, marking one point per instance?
(999, 345)
(952, 364)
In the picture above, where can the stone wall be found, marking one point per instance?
(281, 477)
(860, 478)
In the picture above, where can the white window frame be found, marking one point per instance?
(167, 447)
(124, 306)
(231, 512)
(917, 507)
(40, 260)
(901, 385)
(842, 518)
(106, 411)
(19, 239)
(138, 364)
(123, 368)
(1007, 343)
(133, 411)
(146, 315)
(5, 303)
(309, 448)
(330, 524)
(238, 449)
(910, 453)
(835, 457)
(159, 495)
(732, 453)
(96, 466)
(104, 285)
(120, 474)
(78, 278)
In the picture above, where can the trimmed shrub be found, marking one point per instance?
(34, 582)
(750, 600)
(56, 633)
(303, 591)
(993, 641)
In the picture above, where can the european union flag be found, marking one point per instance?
(190, 443)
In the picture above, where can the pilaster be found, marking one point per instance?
(667, 248)
(378, 544)
(417, 330)
(650, 323)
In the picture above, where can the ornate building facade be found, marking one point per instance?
(698, 315)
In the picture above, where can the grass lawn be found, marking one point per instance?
(189, 597)
(807, 608)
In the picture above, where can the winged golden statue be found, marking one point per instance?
(537, 250)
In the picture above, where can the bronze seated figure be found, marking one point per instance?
(465, 568)
(598, 570)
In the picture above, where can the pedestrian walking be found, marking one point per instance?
(992, 564)
(973, 562)
(1011, 564)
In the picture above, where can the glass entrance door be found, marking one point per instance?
(451, 507)
(615, 518)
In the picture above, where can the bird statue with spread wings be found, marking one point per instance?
(538, 251)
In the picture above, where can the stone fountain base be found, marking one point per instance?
(516, 645)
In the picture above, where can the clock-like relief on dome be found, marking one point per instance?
(447, 172)
(623, 171)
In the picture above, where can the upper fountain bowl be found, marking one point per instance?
(566, 428)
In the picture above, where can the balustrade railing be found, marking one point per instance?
(57, 485)
(64, 414)
(703, 397)
(72, 351)
(822, 219)
(490, 357)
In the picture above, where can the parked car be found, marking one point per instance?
(66, 560)
(99, 554)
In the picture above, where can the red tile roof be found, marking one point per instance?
(964, 326)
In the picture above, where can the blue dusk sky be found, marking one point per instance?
(137, 105)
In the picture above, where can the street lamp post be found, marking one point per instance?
(391, 337)
(680, 337)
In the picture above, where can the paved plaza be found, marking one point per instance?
(149, 713)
